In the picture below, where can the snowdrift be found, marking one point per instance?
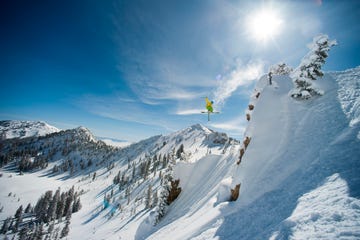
(295, 147)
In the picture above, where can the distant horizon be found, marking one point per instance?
(103, 137)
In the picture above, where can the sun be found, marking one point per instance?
(264, 25)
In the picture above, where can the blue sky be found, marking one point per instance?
(134, 69)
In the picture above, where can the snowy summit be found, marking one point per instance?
(23, 129)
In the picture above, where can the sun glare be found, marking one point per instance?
(264, 25)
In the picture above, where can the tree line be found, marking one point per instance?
(50, 210)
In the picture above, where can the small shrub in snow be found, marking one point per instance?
(310, 68)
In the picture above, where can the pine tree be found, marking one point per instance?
(28, 209)
(165, 190)
(155, 198)
(164, 161)
(19, 212)
(133, 171)
(11, 226)
(310, 68)
(148, 198)
(65, 231)
(51, 227)
(56, 233)
(147, 168)
(39, 232)
(68, 213)
(60, 206)
(128, 194)
(68, 203)
(280, 69)
(23, 233)
(5, 226)
(116, 179)
(51, 214)
(41, 208)
(180, 151)
(18, 217)
(76, 205)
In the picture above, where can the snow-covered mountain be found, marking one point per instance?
(121, 175)
(23, 129)
(299, 174)
(297, 167)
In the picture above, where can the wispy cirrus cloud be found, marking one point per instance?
(165, 67)
(240, 75)
(116, 108)
(188, 111)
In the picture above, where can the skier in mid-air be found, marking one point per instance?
(209, 104)
(209, 107)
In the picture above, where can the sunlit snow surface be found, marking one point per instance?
(22, 129)
(349, 93)
(297, 150)
(299, 175)
(328, 212)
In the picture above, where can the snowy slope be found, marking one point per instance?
(74, 157)
(133, 221)
(23, 129)
(328, 212)
(349, 93)
(299, 175)
(295, 147)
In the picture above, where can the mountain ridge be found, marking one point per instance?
(22, 129)
(74, 157)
